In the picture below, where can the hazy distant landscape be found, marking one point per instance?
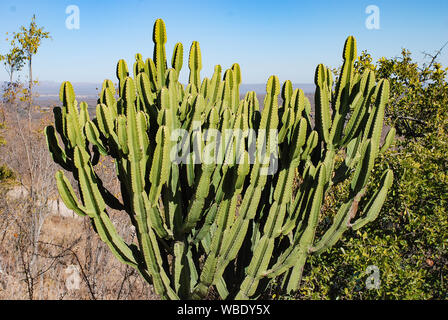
(48, 91)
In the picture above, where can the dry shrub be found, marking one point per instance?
(47, 256)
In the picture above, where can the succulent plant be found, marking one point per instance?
(218, 210)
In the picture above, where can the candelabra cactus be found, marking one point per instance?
(227, 219)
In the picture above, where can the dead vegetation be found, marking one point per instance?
(48, 256)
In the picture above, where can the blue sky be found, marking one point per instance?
(286, 38)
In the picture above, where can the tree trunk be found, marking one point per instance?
(30, 105)
(30, 88)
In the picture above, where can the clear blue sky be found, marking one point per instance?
(286, 38)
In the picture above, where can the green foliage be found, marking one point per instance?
(14, 60)
(30, 38)
(2, 140)
(5, 172)
(419, 93)
(409, 242)
(229, 223)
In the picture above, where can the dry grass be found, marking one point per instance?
(41, 254)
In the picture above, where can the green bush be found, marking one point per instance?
(5, 173)
(409, 241)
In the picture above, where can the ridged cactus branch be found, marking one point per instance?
(195, 65)
(159, 38)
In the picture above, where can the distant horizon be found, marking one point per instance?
(51, 87)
